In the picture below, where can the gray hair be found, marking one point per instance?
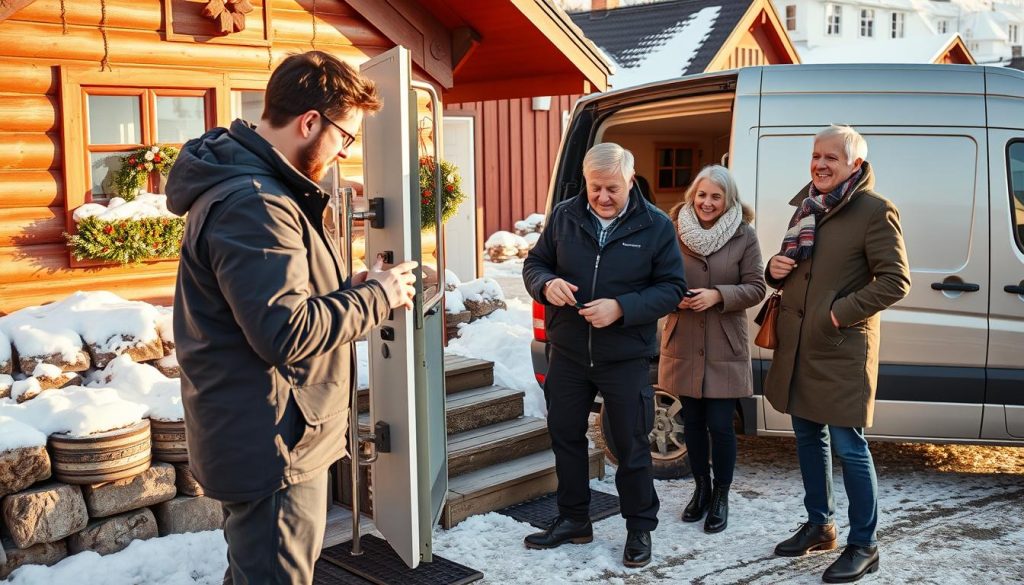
(609, 158)
(720, 176)
(855, 145)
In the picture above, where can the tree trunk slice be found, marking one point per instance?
(101, 457)
(169, 440)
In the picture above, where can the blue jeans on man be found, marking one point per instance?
(814, 442)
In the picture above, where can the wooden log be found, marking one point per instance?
(29, 151)
(169, 441)
(101, 457)
(27, 78)
(130, 14)
(31, 225)
(333, 29)
(155, 290)
(149, 48)
(50, 261)
(28, 113)
(338, 7)
(31, 189)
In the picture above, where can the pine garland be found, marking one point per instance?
(127, 241)
(451, 187)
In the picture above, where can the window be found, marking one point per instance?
(833, 17)
(899, 20)
(867, 22)
(675, 165)
(247, 105)
(119, 120)
(791, 17)
(1013, 31)
(942, 27)
(1015, 160)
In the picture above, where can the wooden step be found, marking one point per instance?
(460, 373)
(480, 407)
(463, 373)
(496, 443)
(472, 409)
(498, 486)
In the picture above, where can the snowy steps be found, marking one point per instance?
(496, 456)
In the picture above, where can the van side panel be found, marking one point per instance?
(937, 178)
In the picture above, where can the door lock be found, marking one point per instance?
(375, 213)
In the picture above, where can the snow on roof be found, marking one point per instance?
(667, 55)
(145, 205)
(982, 26)
(905, 50)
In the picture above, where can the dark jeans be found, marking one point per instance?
(276, 539)
(570, 388)
(710, 416)
(812, 444)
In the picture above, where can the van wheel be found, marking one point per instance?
(668, 451)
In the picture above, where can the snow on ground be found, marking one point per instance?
(508, 269)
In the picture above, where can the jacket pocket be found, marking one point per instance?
(320, 402)
(831, 334)
(669, 331)
(733, 333)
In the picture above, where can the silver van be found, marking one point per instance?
(947, 146)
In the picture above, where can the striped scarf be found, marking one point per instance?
(798, 243)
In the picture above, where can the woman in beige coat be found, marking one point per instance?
(705, 352)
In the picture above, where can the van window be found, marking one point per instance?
(1015, 161)
(927, 177)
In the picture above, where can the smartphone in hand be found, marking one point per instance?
(689, 294)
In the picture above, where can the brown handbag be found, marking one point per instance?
(768, 318)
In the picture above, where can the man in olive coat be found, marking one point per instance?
(842, 262)
(265, 315)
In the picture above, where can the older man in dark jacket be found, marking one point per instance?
(265, 315)
(608, 267)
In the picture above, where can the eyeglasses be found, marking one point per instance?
(349, 139)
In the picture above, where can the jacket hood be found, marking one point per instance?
(223, 154)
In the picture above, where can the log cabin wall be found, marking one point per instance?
(515, 156)
(51, 49)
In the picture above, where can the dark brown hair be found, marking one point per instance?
(317, 81)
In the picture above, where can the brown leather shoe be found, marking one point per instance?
(808, 538)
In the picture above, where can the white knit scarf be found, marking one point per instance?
(707, 241)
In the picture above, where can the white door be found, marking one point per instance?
(410, 479)
(460, 231)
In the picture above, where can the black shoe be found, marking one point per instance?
(560, 531)
(854, 563)
(638, 548)
(718, 511)
(700, 501)
(809, 537)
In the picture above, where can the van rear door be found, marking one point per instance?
(1004, 414)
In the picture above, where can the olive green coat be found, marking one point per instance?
(859, 267)
(706, 354)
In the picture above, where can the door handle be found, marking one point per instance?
(956, 286)
(1014, 289)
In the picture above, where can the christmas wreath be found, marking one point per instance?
(451, 194)
(136, 167)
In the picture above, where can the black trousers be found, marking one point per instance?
(570, 389)
(713, 416)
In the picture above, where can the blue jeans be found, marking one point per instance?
(812, 444)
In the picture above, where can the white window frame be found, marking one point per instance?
(1013, 32)
(791, 22)
(899, 25)
(942, 26)
(833, 20)
(867, 23)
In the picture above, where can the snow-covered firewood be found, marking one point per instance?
(534, 223)
(48, 343)
(502, 246)
(482, 296)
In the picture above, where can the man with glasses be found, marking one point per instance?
(265, 315)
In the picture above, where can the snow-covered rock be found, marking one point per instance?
(534, 223)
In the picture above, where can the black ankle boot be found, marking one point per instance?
(560, 531)
(854, 563)
(698, 505)
(718, 510)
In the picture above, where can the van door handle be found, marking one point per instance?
(1014, 289)
(956, 286)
